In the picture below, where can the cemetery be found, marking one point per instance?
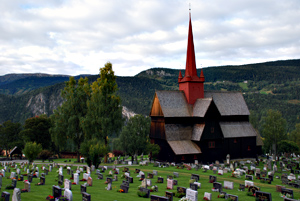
(268, 180)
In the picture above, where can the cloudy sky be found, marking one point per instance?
(79, 36)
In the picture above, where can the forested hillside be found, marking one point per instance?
(271, 85)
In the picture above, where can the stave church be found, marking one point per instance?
(192, 124)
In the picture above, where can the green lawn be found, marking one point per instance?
(99, 193)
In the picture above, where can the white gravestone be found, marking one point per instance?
(76, 178)
(191, 195)
(207, 195)
(68, 194)
(16, 195)
(149, 182)
(129, 163)
(170, 184)
(198, 184)
(220, 172)
(228, 185)
(144, 184)
(12, 175)
(108, 187)
(67, 184)
(249, 183)
(86, 176)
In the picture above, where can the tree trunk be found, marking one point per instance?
(105, 156)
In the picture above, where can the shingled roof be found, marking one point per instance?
(197, 132)
(237, 129)
(201, 106)
(178, 132)
(229, 103)
(184, 147)
(173, 103)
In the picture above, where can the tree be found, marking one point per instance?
(36, 129)
(295, 135)
(273, 130)
(134, 136)
(92, 150)
(44, 154)
(104, 110)
(9, 134)
(66, 119)
(288, 147)
(32, 150)
(153, 150)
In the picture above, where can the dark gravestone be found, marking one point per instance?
(253, 189)
(249, 177)
(130, 179)
(61, 177)
(145, 190)
(68, 171)
(56, 191)
(82, 189)
(284, 181)
(181, 190)
(257, 175)
(142, 176)
(158, 198)
(175, 182)
(279, 188)
(21, 178)
(271, 177)
(125, 183)
(125, 188)
(242, 187)
(169, 177)
(5, 195)
(14, 183)
(29, 177)
(194, 187)
(289, 199)
(251, 172)
(137, 170)
(150, 175)
(108, 179)
(196, 177)
(42, 180)
(287, 192)
(60, 183)
(160, 180)
(125, 169)
(212, 179)
(263, 173)
(100, 176)
(218, 186)
(86, 197)
(231, 197)
(263, 196)
(169, 195)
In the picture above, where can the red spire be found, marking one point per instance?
(191, 84)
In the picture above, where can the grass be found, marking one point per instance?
(99, 193)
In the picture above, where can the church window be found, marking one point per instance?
(182, 158)
(249, 149)
(211, 144)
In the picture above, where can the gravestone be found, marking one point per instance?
(108, 187)
(249, 177)
(158, 198)
(90, 181)
(68, 184)
(42, 180)
(125, 188)
(218, 186)
(232, 197)
(14, 183)
(145, 190)
(27, 186)
(149, 182)
(68, 194)
(193, 186)
(76, 178)
(212, 179)
(100, 176)
(196, 177)
(116, 177)
(56, 191)
(242, 187)
(144, 184)
(16, 195)
(181, 190)
(191, 194)
(169, 195)
(108, 180)
(170, 184)
(150, 176)
(207, 195)
(176, 174)
(86, 197)
(279, 188)
(160, 180)
(175, 182)
(82, 188)
(263, 196)
(287, 192)
(5, 195)
(253, 189)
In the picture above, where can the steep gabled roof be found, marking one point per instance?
(237, 129)
(197, 132)
(201, 106)
(178, 132)
(173, 103)
(184, 147)
(229, 103)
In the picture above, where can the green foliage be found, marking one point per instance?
(104, 109)
(45, 154)
(32, 150)
(134, 136)
(9, 134)
(153, 149)
(286, 146)
(66, 119)
(295, 135)
(273, 130)
(92, 150)
(36, 129)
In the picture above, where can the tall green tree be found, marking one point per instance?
(295, 135)
(134, 137)
(36, 129)
(66, 124)
(288, 147)
(273, 130)
(9, 135)
(104, 109)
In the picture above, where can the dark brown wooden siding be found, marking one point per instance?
(157, 129)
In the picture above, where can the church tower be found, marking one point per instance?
(191, 84)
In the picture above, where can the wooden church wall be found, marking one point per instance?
(156, 108)
(157, 129)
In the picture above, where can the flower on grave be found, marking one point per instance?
(205, 198)
(121, 190)
(49, 197)
(73, 183)
(106, 182)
